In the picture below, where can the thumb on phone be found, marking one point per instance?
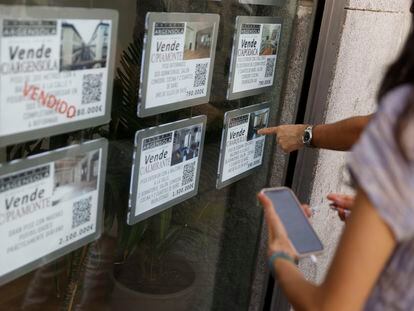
(274, 224)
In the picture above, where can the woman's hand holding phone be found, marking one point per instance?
(278, 240)
(290, 231)
(307, 210)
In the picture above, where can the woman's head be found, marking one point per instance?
(399, 73)
(402, 70)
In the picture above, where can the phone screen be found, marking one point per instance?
(300, 231)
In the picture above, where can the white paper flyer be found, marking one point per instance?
(264, 2)
(50, 208)
(54, 73)
(178, 63)
(166, 167)
(254, 56)
(242, 148)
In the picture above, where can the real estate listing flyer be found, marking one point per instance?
(166, 167)
(50, 204)
(254, 55)
(56, 70)
(242, 148)
(264, 2)
(178, 64)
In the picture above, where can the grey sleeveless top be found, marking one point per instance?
(388, 180)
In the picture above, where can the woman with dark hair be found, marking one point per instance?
(373, 268)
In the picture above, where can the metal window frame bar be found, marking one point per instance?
(322, 74)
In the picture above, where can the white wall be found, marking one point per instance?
(371, 38)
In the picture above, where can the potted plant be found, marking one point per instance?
(147, 274)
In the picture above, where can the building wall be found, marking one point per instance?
(371, 37)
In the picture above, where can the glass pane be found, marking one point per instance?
(199, 254)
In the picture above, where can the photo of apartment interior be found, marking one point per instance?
(186, 144)
(270, 39)
(77, 52)
(75, 176)
(258, 120)
(198, 38)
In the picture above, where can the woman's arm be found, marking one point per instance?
(365, 246)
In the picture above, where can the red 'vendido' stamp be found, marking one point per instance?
(49, 100)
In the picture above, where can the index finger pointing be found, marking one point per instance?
(268, 131)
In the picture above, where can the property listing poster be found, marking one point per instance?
(52, 72)
(264, 2)
(179, 61)
(255, 56)
(48, 208)
(242, 147)
(167, 168)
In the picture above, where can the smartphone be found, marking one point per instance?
(304, 238)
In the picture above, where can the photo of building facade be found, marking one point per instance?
(78, 53)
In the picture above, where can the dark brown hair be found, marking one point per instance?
(399, 73)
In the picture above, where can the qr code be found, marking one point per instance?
(92, 88)
(270, 64)
(81, 212)
(258, 149)
(189, 173)
(200, 75)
